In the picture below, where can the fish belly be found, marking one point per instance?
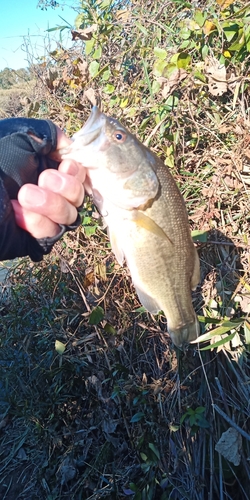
(161, 272)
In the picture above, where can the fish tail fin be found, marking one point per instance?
(185, 334)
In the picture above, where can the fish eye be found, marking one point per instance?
(120, 136)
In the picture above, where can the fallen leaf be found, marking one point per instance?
(224, 4)
(230, 445)
(90, 95)
(217, 76)
(168, 84)
(208, 27)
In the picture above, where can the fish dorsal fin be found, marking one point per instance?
(142, 220)
(148, 302)
(116, 248)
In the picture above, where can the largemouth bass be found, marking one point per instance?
(146, 217)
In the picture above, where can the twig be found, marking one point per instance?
(229, 243)
(231, 422)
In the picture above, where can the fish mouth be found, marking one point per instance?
(92, 128)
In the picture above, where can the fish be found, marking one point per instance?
(147, 219)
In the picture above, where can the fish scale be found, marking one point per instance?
(146, 218)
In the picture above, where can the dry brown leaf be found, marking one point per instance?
(224, 4)
(168, 84)
(83, 68)
(85, 34)
(245, 304)
(100, 270)
(123, 16)
(230, 445)
(90, 96)
(217, 76)
(208, 27)
(89, 278)
(232, 183)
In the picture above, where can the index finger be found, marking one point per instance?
(62, 142)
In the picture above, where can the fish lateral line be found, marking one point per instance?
(142, 220)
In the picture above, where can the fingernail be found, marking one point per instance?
(57, 181)
(34, 196)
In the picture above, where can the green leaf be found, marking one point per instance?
(183, 60)
(220, 330)
(109, 89)
(155, 87)
(106, 75)
(86, 220)
(104, 4)
(60, 347)
(124, 102)
(89, 46)
(199, 76)
(200, 236)
(160, 53)
(143, 456)
(109, 329)
(173, 428)
(94, 68)
(200, 17)
(141, 309)
(219, 343)
(96, 315)
(57, 28)
(98, 53)
(154, 449)
(147, 77)
(204, 51)
(185, 34)
(159, 67)
(89, 230)
(203, 423)
(192, 420)
(171, 102)
(200, 409)
(183, 418)
(230, 30)
(184, 44)
(239, 43)
(137, 417)
(206, 320)
(141, 28)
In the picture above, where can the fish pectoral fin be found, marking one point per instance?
(196, 274)
(142, 220)
(118, 251)
(148, 302)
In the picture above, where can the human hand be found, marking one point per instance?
(39, 209)
(39, 193)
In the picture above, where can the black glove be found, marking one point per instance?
(22, 159)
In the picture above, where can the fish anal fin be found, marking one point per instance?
(148, 302)
(118, 251)
(196, 273)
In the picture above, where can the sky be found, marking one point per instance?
(23, 27)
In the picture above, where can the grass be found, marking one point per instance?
(110, 410)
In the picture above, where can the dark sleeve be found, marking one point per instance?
(22, 159)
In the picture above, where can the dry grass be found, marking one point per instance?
(112, 410)
(107, 416)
